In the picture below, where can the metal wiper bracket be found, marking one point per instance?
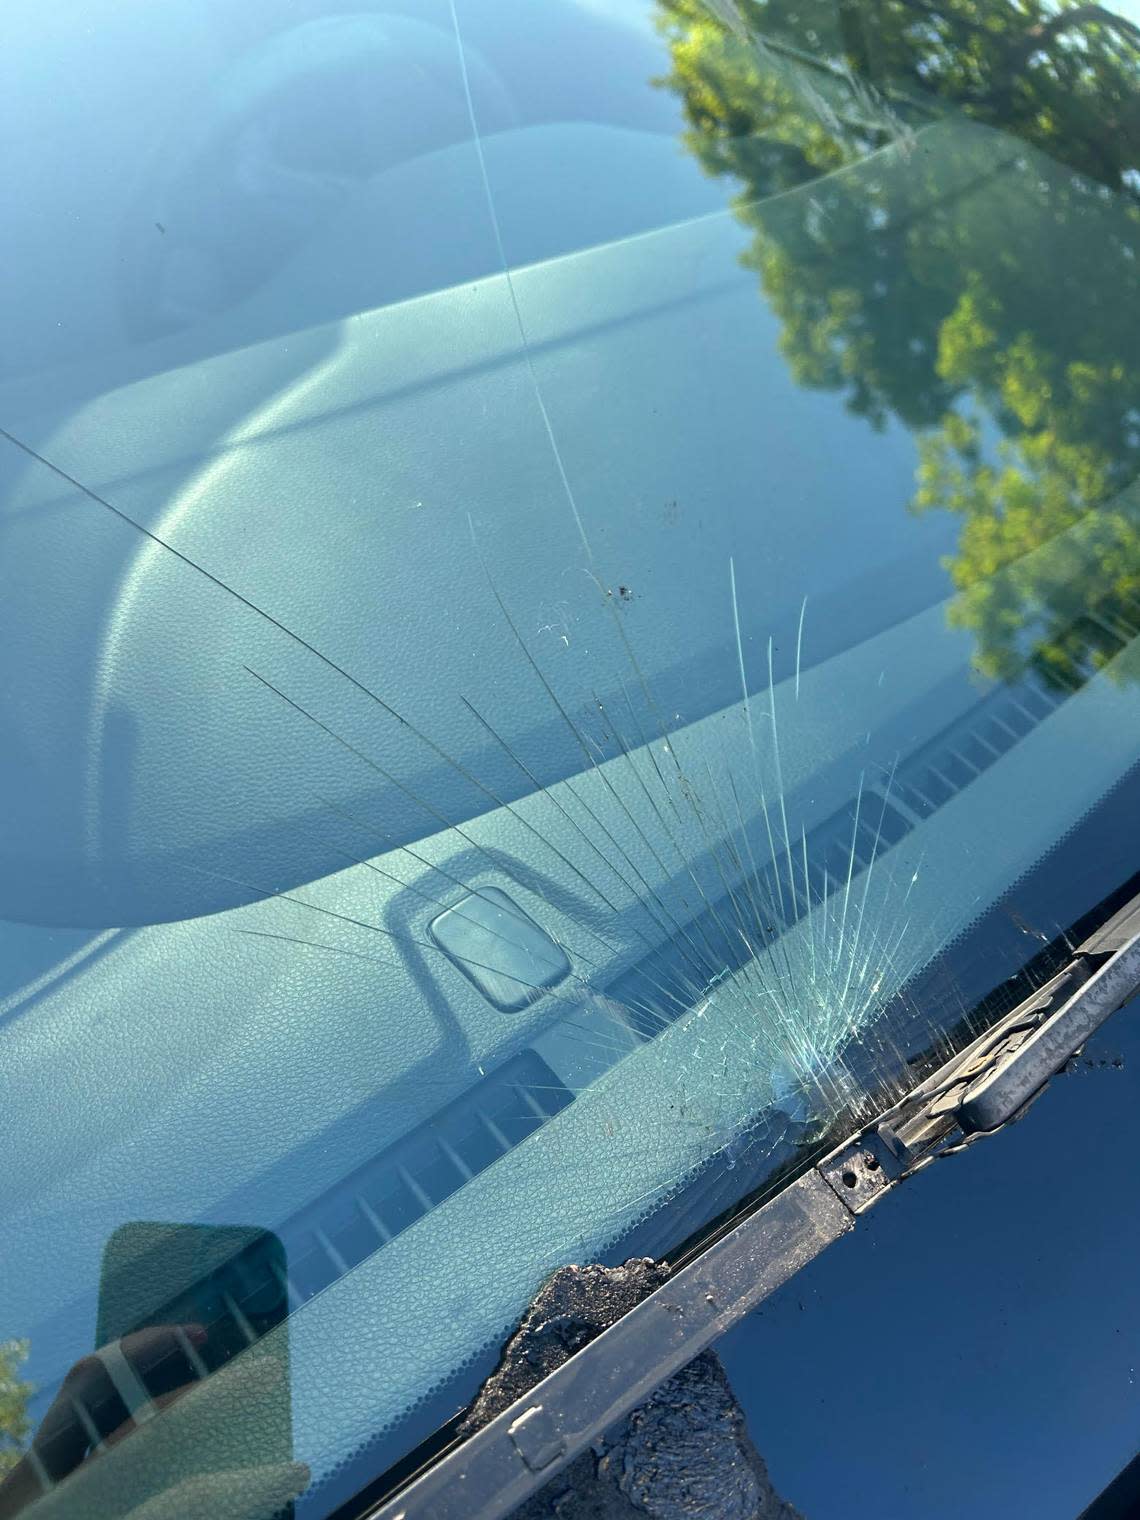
(993, 1081)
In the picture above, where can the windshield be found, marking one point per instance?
(565, 572)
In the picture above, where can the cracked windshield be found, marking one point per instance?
(566, 570)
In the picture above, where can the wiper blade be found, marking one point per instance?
(994, 1081)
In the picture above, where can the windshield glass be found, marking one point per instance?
(566, 570)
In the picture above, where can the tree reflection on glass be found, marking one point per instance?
(15, 1395)
(979, 286)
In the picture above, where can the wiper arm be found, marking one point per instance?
(994, 1081)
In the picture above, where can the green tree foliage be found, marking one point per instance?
(15, 1394)
(980, 286)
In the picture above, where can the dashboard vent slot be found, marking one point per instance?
(401, 1184)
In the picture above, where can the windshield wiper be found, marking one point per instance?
(994, 1081)
(978, 1092)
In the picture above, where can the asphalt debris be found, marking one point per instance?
(685, 1454)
